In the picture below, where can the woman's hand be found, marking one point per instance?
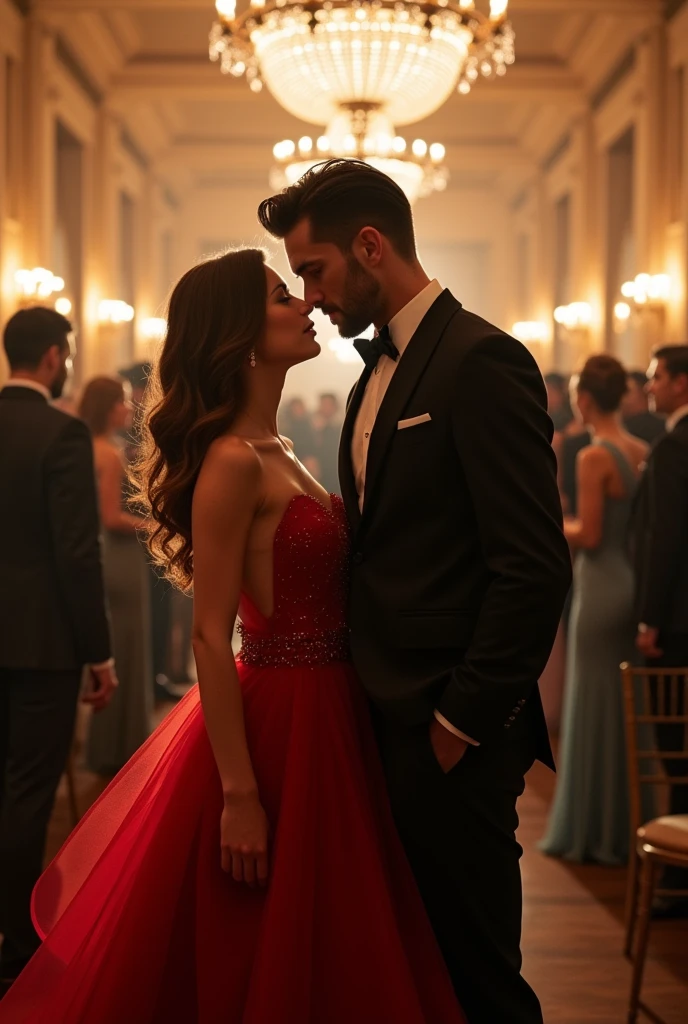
(244, 839)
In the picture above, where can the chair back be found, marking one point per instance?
(652, 697)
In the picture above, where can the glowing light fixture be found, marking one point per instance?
(370, 136)
(63, 306)
(529, 331)
(648, 290)
(37, 285)
(115, 311)
(154, 328)
(577, 316)
(407, 57)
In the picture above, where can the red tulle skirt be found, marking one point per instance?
(141, 925)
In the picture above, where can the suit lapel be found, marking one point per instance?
(406, 377)
(347, 479)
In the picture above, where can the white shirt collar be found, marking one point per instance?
(22, 382)
(405, 323)
(675, 417)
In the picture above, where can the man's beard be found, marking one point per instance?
(57, 386)
(360, 301)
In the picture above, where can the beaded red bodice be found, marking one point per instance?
(310, 579)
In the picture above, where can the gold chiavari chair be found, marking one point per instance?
(652, 697)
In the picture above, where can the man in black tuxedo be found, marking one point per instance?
(53, 619)
(660, 535)
(459, 568)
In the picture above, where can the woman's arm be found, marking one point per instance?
(592, 471)
(110, 475)
(225, 502)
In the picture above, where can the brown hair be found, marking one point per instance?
(98, 399)
(605, 380)
(216, 316)
(339, 197)
(675, 358)
(30, 333)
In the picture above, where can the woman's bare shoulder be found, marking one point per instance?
(231, 464)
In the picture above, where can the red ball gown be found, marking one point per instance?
(141, 925)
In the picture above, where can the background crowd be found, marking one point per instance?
(621, 438)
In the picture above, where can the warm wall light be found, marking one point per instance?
(154, 328)
(529, 331)
(577, 316)
(648, 291)
(37, 285)
(114, 311)
(63, 306)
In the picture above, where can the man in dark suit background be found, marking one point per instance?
(660, 542)
(53, 619)
(638, 418)
(459, 569)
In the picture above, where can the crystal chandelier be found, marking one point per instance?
(365, 135)
(404, 57)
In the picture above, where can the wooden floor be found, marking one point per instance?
(573, 931)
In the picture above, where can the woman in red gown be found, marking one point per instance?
(243, 868)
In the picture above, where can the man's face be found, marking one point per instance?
(61, 366)
(334, 282)
(662, 388)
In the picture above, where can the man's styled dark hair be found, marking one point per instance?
(30, 333)
(675, 358)
(339, 197)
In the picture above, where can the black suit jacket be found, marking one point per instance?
(52, 605)
(660, 534)
(460, 567)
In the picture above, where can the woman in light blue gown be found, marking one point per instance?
(589, 819)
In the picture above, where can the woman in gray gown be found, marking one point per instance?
(589, 820)
(125, 724)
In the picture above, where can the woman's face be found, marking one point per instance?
(289, 337)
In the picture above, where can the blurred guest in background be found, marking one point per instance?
(660, 534)
(295, 423)
(161, 590)
(638, 419)
(589, 818)
(558, 401)
(106, 409)
(52, 608)
(327, 424)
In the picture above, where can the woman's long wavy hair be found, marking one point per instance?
(216, 317)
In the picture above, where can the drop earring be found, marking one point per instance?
(252, 360)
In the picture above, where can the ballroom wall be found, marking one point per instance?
(96, 185)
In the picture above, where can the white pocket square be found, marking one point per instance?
(414, 421)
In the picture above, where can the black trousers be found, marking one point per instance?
(673, 737)
(458, 832)
(37, 713)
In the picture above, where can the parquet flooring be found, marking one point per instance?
(573, 926)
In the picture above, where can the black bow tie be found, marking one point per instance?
(370, 351)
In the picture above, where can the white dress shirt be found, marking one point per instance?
(676, 417)
(402, 327)
(34, 385)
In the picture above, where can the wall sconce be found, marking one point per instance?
(34, 287)
(622, 314)
(529, 331)
(648, 291)
(114, 311)
(63, 305)
(154, 328)
(577, 316)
